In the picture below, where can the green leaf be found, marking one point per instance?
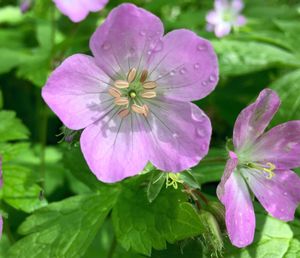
(11, 58)
(66, 228)
(211, 168)
(140, 225)
(20, 189)
(155, 184)
(273, 238)
(288, 88)
(11, 128)
(242, 57)
(10, 14)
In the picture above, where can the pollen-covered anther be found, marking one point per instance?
(121, 101)
(138, 109)
(150, 85)
(123, 113)
(131, 75)
(121, 84)
(114, 92)
(144, 76)
(148, 94)
(146, 109)
(269, 170)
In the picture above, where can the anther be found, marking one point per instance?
(149, 85)
(146, 113)
(121, 84)
(114, 92)
(121, 101)
(123, 113)
(148, 94)
(131, 75)
(144, 76)
(138, 109)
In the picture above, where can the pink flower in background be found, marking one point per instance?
(225, 16)
(1, 183)
(133, 97)
(261, 162)
(77, 10)
(25, 5)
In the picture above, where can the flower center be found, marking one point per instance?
(173, 180)
(132, 93)
(267, 168)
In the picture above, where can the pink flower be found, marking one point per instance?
(77, 10)
(225, 16)
(261, 162)
(133, 97)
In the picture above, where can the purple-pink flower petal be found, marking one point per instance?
(279, 195)
(125, 38)
(280, 146)
(115, 148)
(254, 119)
(185, 66)
(222, 29)
(75, 92)
(77, 10)
(239, 216)
(179, 135)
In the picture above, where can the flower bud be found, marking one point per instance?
(218, 211)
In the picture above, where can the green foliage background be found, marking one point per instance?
(52, 204)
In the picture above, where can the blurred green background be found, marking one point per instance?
(263, 53)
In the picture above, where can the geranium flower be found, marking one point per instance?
(261, 162)
(225, 16)
(133, 97)
(77, 10)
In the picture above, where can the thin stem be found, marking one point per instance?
(112, 248)
(201, 195)
(8, 232)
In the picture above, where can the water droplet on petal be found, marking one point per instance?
(142, 33)
(149, 52)
(201, 47)
(182, 71)
(172, 73)
(200, 132)
(285, 193)
(175, 135)
(204, 83)
(197, 66)
(212, 78)
(106, 46)
(159, 46)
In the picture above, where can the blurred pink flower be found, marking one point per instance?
(77, 10)
(225, 16)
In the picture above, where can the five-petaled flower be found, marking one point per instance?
(133, 97)
(262, 162)
(77, 10)
(225, 16)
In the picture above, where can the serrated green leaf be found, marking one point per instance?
(141, 226)
(66, 228)
(242, 57)
(288, 88)
(11, 128)
(273, 238)
(10, 151)
(20, 189)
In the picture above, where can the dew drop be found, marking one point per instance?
(197, 66)
(201, 47)
(142, 33)
(172, 73)
(175, 135)
(149, 52)
(182, 71)
(204, 83)
(106, 46)
(200, 132)
(285, 193)
(212, 78)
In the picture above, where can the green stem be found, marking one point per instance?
(8, 232)
(112, 248)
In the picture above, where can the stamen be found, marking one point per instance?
(173, 180)
(144, 76)
(150, 85)
(131, 75)
(270, 170)
(121, 84)
(138, 109)
(114, 92)
(148, 94)
(123, 113)
(121, 101)
(146, 108)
